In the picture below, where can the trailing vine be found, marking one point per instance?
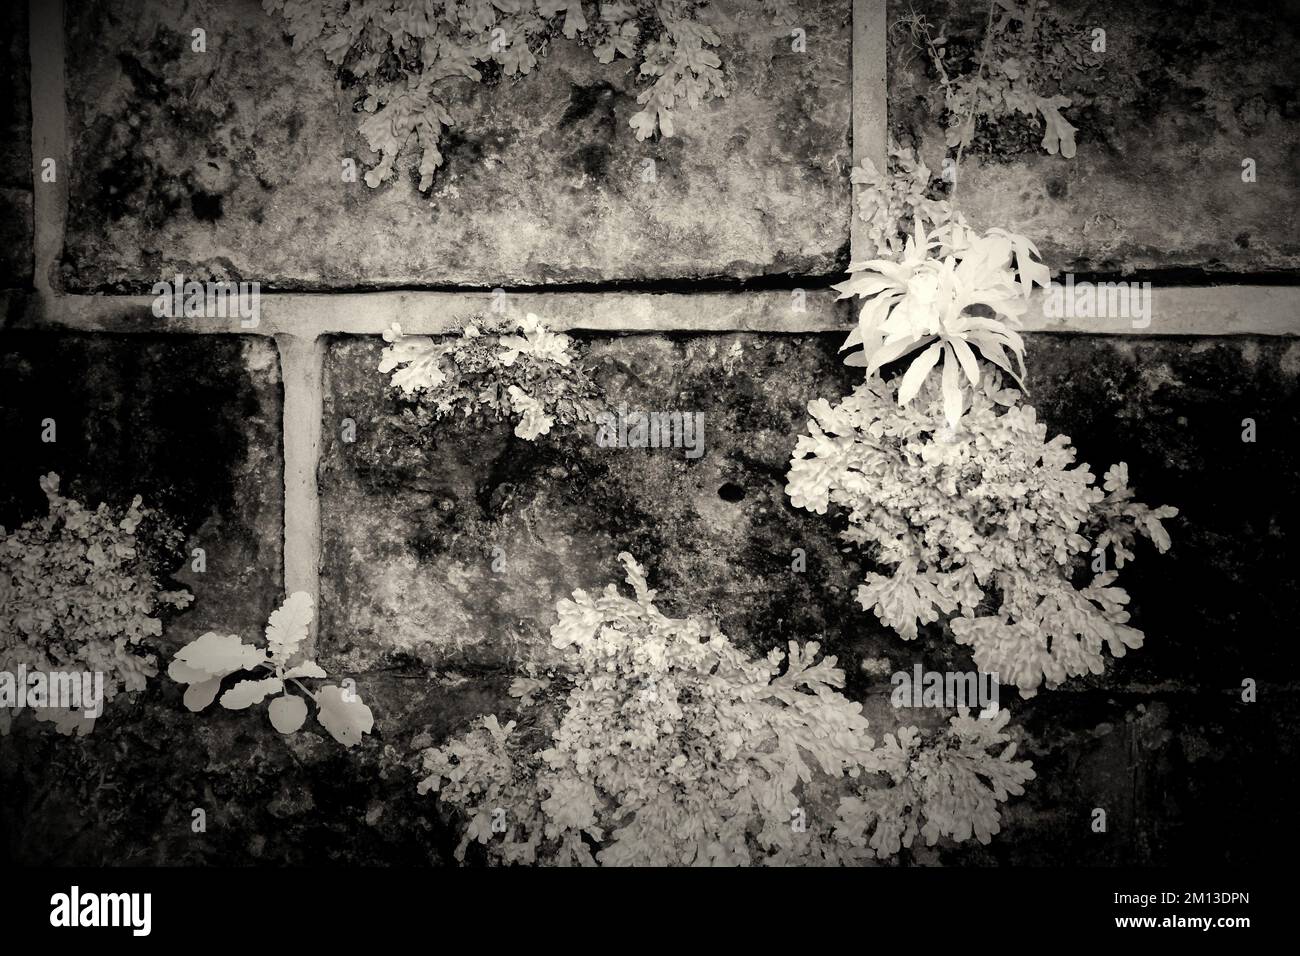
(1028, 50)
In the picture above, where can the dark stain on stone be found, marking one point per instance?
(732, 492)
(592, 108)
(166, 420)
(206, 206)
(146, 83)
(1056, 188)
(1242, 240)
(593, 159)
(585, 100)
(456, 144)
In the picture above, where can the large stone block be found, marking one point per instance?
(412, 528)
(1183, 779)
(191, 423)
(412, 525)
(1182, 96)
(228, 163)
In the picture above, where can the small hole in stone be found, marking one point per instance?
(731, 492)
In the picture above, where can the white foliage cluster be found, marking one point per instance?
(205, 662)
(677, 748)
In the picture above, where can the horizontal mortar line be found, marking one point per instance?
(1193, 311)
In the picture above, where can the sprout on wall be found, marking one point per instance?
(531, 375)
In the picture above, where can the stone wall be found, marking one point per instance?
(224, 165)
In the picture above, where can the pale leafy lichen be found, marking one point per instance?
(80, 593)
(677, 748)
(987, 524)
(531, 375)
(408, 55)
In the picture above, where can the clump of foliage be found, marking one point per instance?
(956, 292)
(533, 375)
(987, 524)
(407, 55)
(947, 786)
(1028, 49)
(81, 593)
(677, 748)
(894, 202)
(206, 661)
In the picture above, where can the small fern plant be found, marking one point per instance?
(531, 375)
(204, 663)
(676, 748)
(80, 592)
(409, 55)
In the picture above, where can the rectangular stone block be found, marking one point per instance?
(449, 549)
(1177, 102)
(190, 423)
(229, 163)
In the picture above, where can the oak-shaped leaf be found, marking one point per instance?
(286, 629)
(343, 714)
(249, 692)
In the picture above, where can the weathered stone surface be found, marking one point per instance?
(125, 794)
(1184, 94)
(411, 531)
(412, 526)
(228, 163)
(1216, 607)
(191, 423)
(15, 150)
(1185, 780)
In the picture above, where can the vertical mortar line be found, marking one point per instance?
(302, 363)
(870, 100)
(49, 138)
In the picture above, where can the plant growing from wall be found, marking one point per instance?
(947, 785)
(677, 748)
(204, 663)
(408, 56)
(81, 593)
(1027, 50)
(532, 376)
(895, 201)
(987, 525)
(952, 482)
